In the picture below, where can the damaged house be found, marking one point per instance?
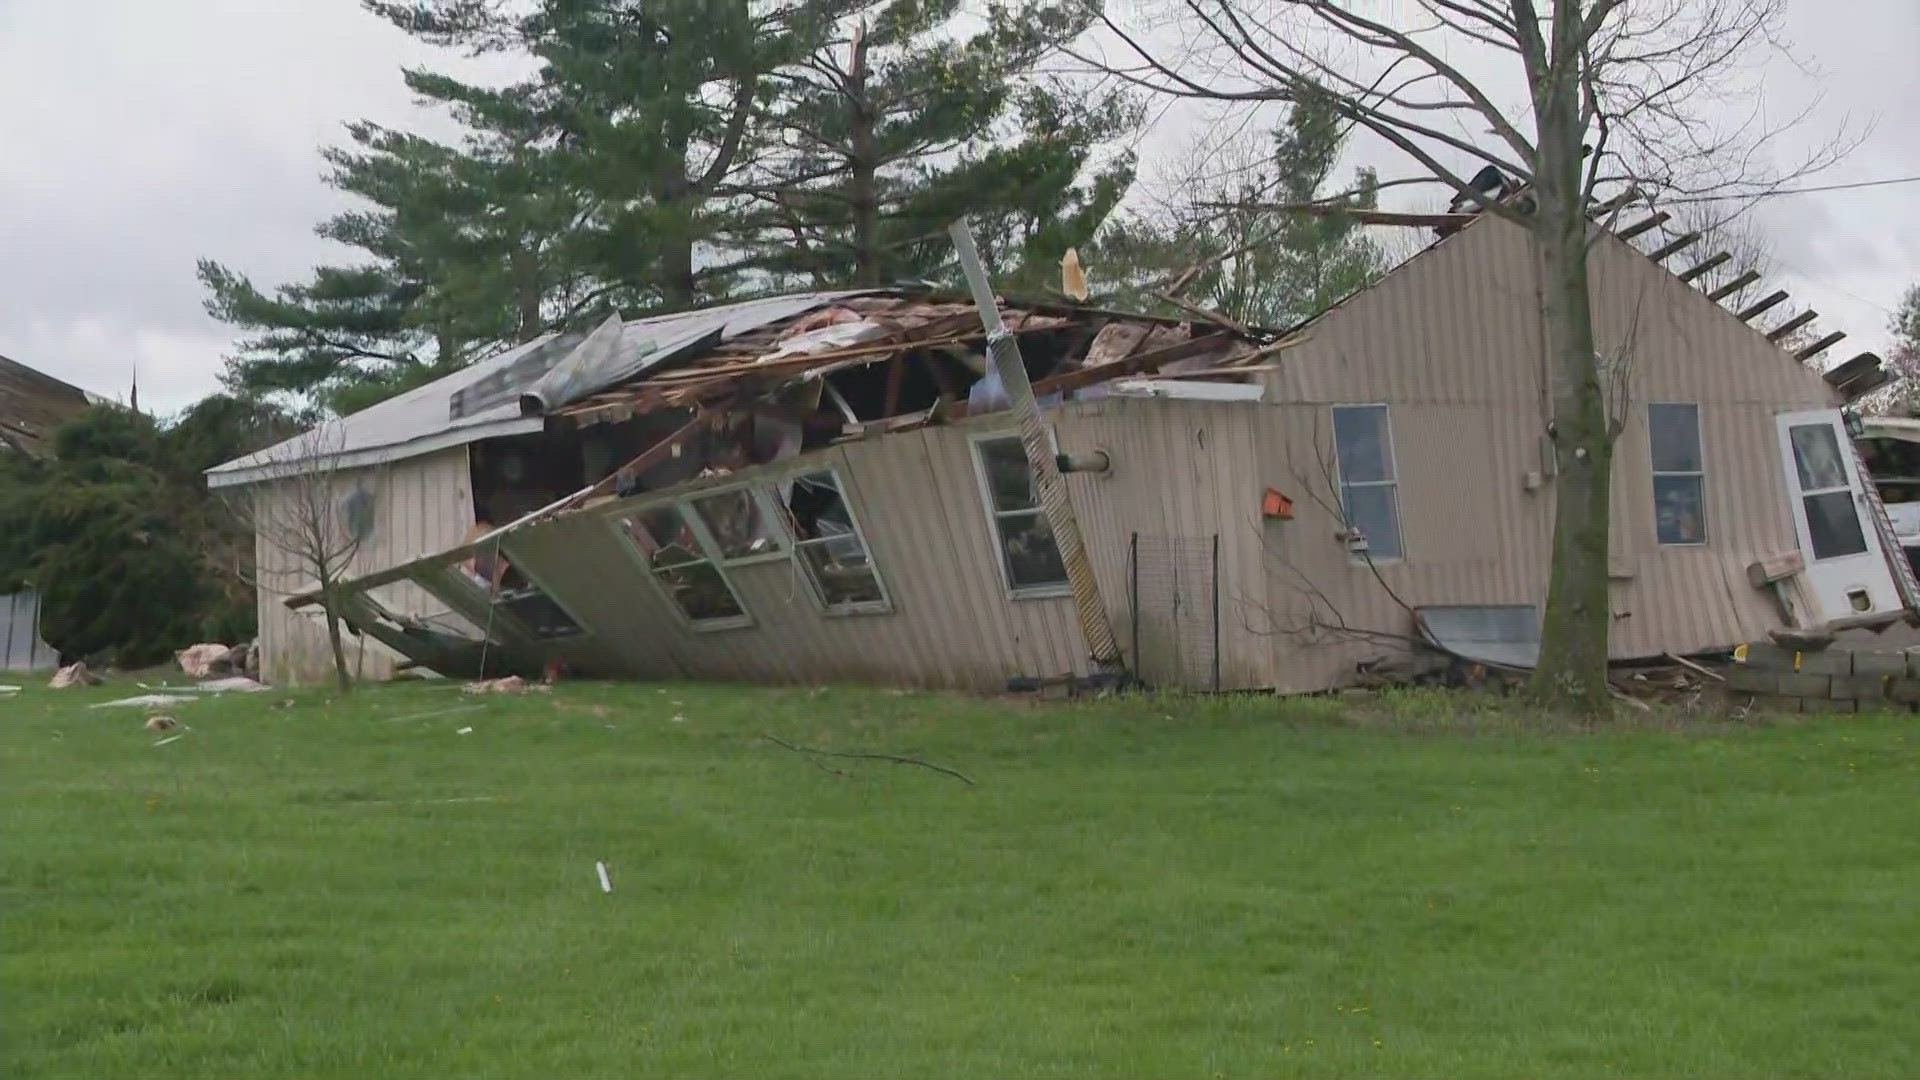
(32, 405)
(832, 486)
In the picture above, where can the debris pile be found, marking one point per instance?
(74, 674)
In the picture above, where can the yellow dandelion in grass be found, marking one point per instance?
(1379, 1044)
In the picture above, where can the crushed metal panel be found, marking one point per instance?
(505, 382)
(1497, 635)
(604, 359)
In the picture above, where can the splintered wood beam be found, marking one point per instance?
(1820, 346)
(1734, 286)
(1615, 203)
(1675, 245)
(1763, 304)
(1792, 324)
(1702, 269)
(1643, 225)
(1133, 365)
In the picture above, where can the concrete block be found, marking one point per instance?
(1859, 687)
(1913, 663)
(1826, 705)
(1880, 662)
(1747, 679)
(1905, 691)
(1804, 685)
(1769, 656)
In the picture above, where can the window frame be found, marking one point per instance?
(882, 606)
(765, 503)
(709, 551)
(1655, 473)
(488, 609)
(1393, 483)
(995, 542)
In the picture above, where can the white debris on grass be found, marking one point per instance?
(464, 731)
(238, 683)
(145, 701)
(606, 883)
(170, 738)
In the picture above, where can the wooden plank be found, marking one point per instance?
(1133, 365)
(1672, 247)
(1699, 270)
(1734, 286)
(1764, 304)
(1820, 346)
(1792, 324)
(1644, 225)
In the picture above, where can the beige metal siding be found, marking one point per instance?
(422, 505)
(918, 503)
(1452, 342)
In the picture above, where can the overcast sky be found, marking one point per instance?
(138, 136)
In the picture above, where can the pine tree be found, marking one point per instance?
(894, 124)
(1259, 265)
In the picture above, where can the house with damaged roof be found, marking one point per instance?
(834, 486)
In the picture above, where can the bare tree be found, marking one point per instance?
(309, 513)
(1608, 102)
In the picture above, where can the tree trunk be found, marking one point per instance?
(525, 268)
(1572, 673)
(340, 673)
(863, 189)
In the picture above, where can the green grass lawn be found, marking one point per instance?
(1146, 887)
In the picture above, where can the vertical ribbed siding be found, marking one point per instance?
(919, 505)
(422, 505)
(1452, 342)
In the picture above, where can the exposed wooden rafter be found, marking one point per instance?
(1792, 324)
(1764, 304)
(1673, 246)
(1644, 225)
(1820, 346)
(1734, 286)
(1699, 270)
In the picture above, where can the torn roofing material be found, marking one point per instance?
(487, 394)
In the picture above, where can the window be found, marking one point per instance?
(1369, 482)
(1679, 485)
(741, 529)
(668, 542)
(1833, 525)
(1028, 553)
(515, 595)
(832, 552)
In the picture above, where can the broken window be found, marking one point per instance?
(830, 547)
(1679, 473)
(668, 541)
(511, 594)
(1028, 553)
(1369, 480)
(741, 528)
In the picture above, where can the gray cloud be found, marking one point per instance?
(138, 137)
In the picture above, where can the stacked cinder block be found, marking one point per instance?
(1829, 680)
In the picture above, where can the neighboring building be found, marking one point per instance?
(815, 498)
(32, 404)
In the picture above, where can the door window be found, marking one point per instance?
(1833, 522)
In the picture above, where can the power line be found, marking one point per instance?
(1847, 187)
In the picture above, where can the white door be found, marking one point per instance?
(1846, 567)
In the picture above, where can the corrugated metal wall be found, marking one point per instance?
(421, 505)
(1453, 343)
(20, 646)
(918, 502)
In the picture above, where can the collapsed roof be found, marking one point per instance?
(797, 357)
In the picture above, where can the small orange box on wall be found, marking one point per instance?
(1276, 505)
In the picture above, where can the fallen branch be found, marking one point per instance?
(895, 758)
